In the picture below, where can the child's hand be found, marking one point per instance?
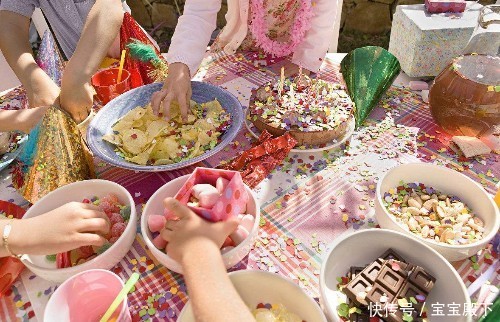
(65, 228)
(190, 230)
(77, 98)
(42, 91)
(177, 88)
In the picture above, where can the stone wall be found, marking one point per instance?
(364, 22)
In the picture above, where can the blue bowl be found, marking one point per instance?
(141, 96)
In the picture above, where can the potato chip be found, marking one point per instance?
(155, 128)
(134, 140)
(143, 157)
(144, 138)
(114, 139)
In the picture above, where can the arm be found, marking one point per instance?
(21, 120)
(186, 52)
(14, 43)
(195, 243)
(101, 28)
(210, 288)
(311, 52)
(193, 32)
(62, 229)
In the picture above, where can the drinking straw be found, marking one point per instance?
(121, 296)
(120, 70)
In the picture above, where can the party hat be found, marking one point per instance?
(59, 158)
(368, 72)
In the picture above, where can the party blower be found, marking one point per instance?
(368, 72)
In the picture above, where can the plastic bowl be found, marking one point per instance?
(363, 247)
(78, 191)
(256, 287)
(154, 206)
(449, 182)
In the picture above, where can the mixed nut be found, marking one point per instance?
(431, 214)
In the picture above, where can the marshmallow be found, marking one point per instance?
(156, 223)
(246, 221)
(239, 235)
(228, 242)
(206, 194)
(159, 242)
(221, 184)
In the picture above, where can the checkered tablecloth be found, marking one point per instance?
(306, 203)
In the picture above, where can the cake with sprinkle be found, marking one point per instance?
(314, 111)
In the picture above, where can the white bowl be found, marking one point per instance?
(154, 206)
(78, 191)
(449, 182)
(256, 287)
(363, 247)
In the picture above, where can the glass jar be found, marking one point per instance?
(485, 39)
(465, 98)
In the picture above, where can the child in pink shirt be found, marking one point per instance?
(300, 29)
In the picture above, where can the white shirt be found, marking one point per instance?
(196, 25)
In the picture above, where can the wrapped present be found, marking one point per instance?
(425, 44)
(440, 6)
(232, 197)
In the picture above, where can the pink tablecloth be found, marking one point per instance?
(306, 203)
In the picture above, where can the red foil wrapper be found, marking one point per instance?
(256, 163)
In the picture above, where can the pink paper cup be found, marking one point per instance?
(85, 297)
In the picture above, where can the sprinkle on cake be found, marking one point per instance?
(303, 105)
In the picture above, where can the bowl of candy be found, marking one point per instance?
(205, 192)
(441, 207)
(115, 201)
(270, 298)
(383, 275)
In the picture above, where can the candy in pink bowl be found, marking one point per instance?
(236, 247)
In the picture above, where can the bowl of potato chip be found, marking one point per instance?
(127, 134)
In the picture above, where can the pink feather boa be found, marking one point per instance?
(300, 25)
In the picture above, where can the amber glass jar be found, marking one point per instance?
(465, 98)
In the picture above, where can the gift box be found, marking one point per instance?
(426, 43)
(232, 201)
(440, 6)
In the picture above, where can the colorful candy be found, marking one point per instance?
(118, 216)
(274, 313)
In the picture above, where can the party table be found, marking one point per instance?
(306, 203)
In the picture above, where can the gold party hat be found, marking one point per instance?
(60, 157)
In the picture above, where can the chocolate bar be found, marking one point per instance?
(398, 280)
(387, 281)
(391, 254)
(364, 279)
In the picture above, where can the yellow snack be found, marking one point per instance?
(146, 139)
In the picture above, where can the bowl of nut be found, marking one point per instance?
(439, 206)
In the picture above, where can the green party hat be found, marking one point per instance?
(368, 72)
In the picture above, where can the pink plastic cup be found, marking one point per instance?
(105, 84)
(85, 297)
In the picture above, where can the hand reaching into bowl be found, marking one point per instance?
(195, 243)
(68, 227)
(177, 88)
